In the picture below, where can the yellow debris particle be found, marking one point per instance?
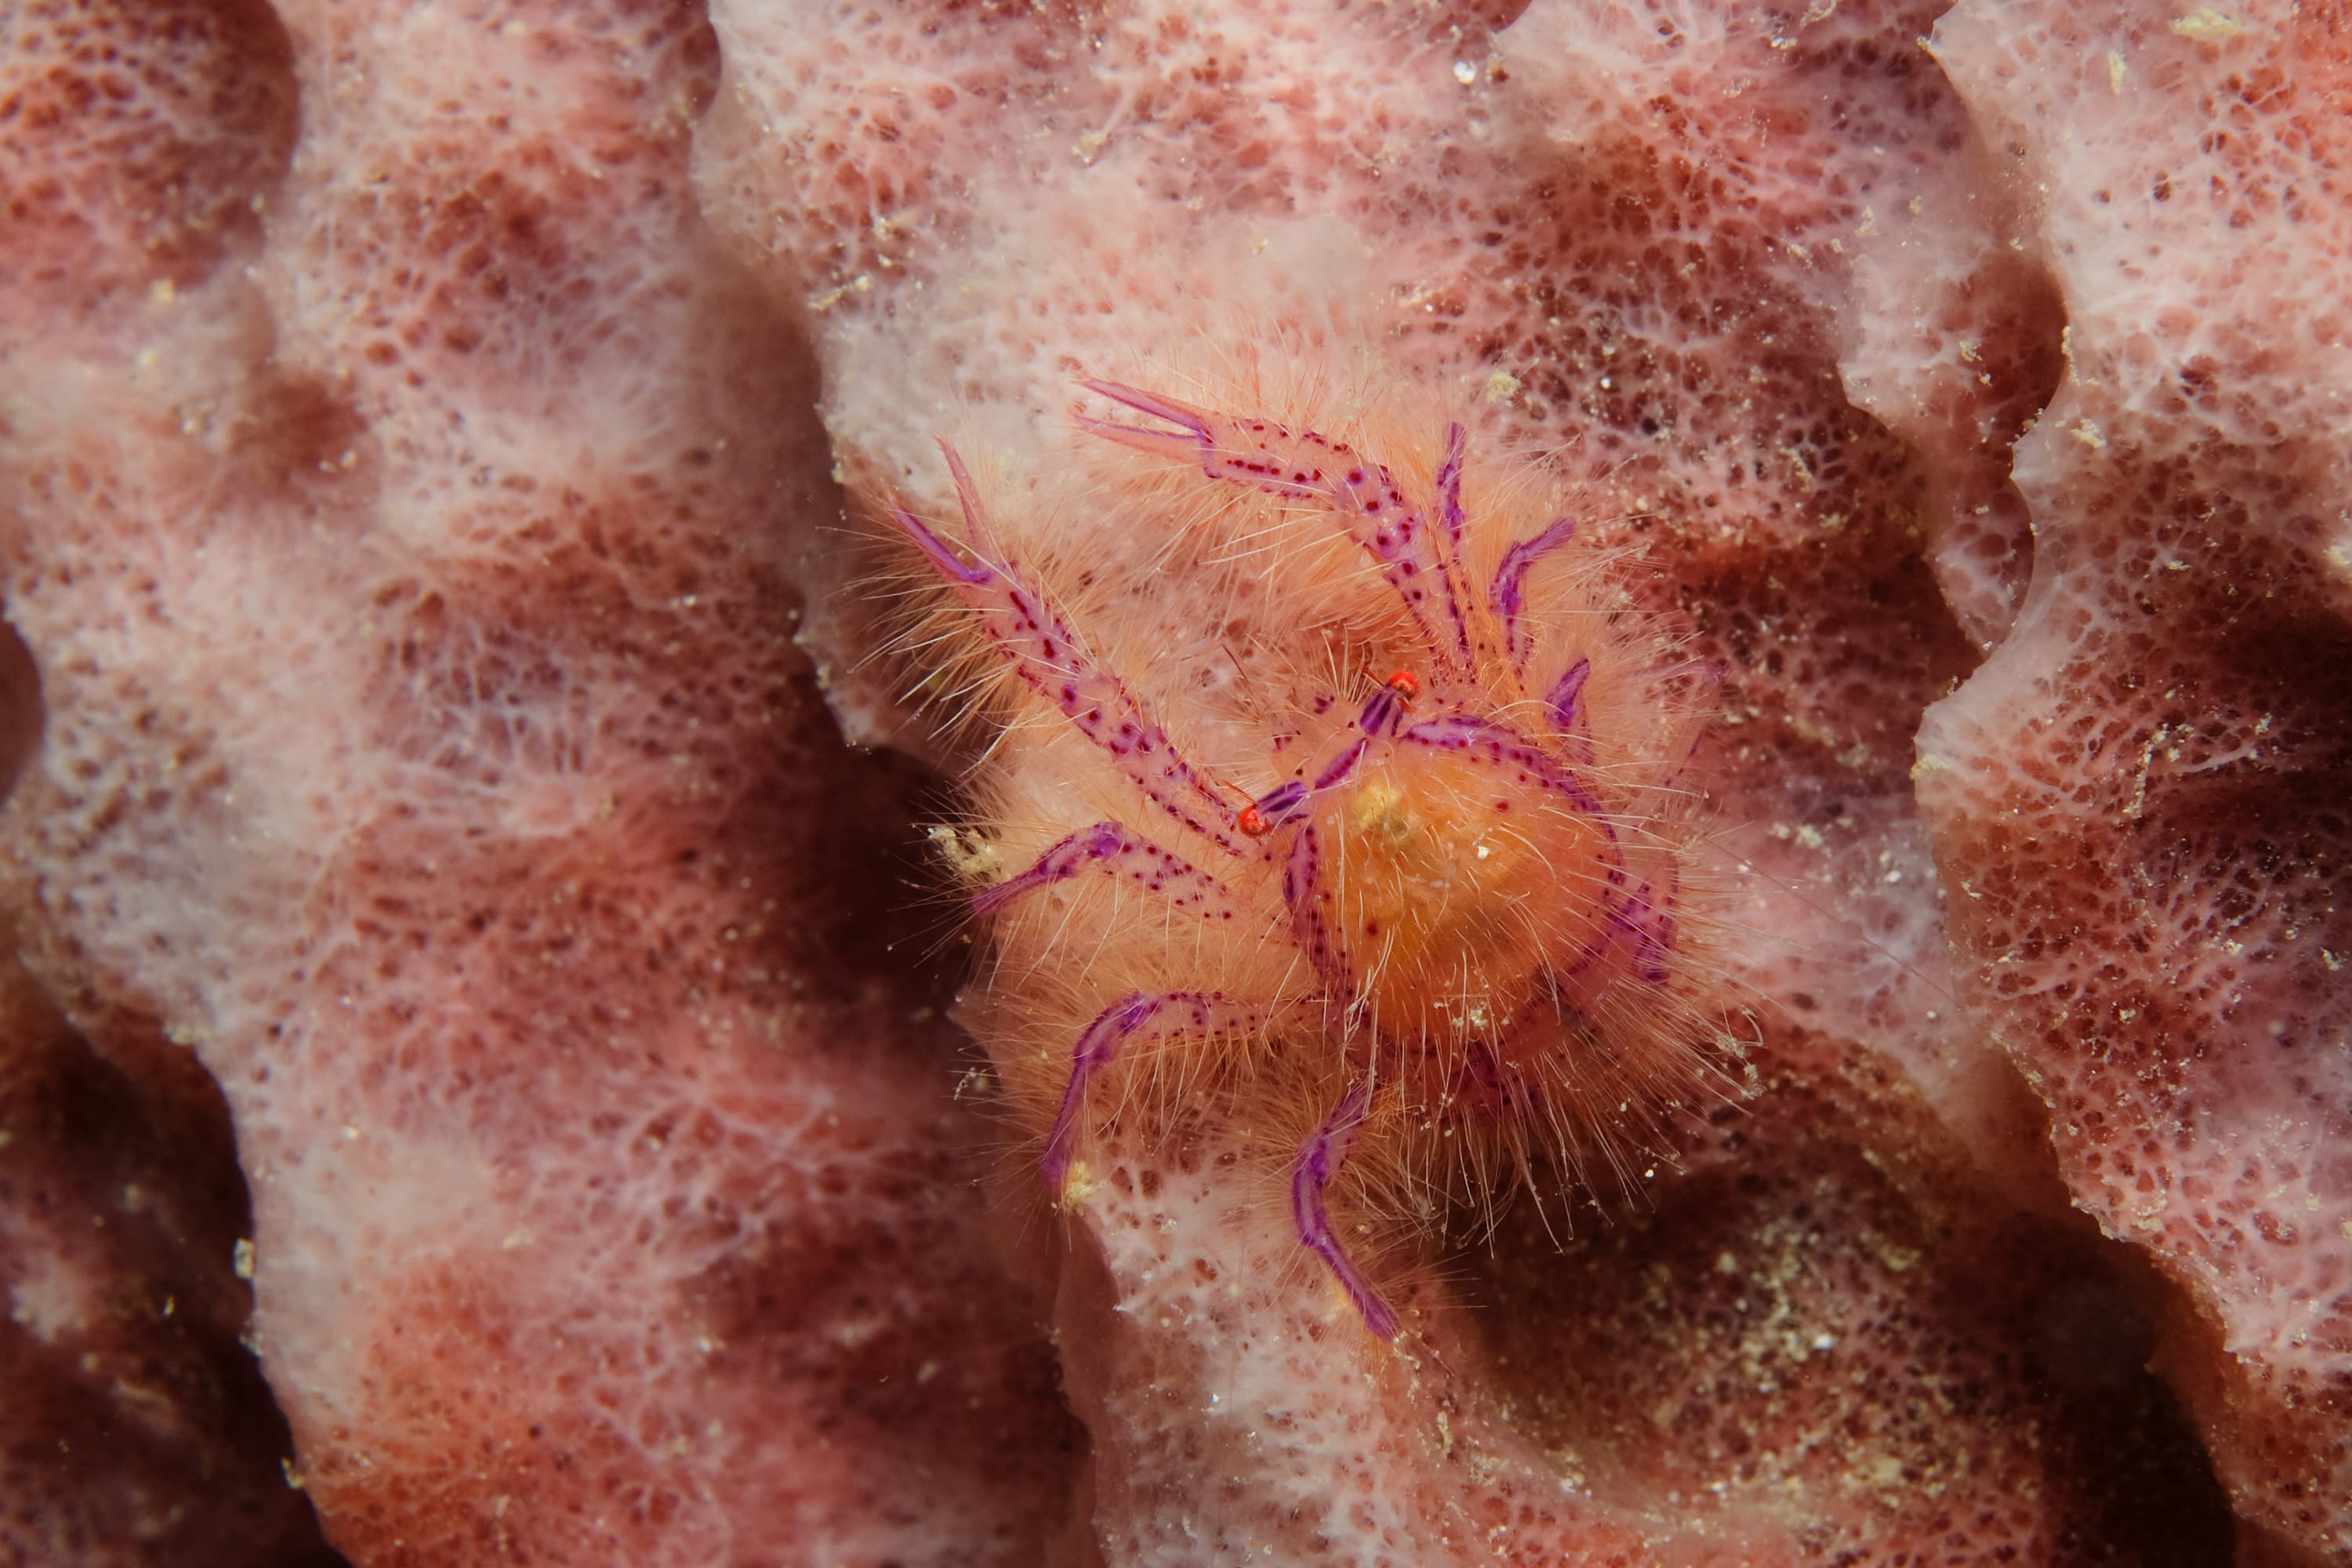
(2207, 25)
(976, 858)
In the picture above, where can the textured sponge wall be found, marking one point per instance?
(138, 139)
(2141, 795)
(425, 747)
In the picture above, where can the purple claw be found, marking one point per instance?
(943, 554)
(1506, 594)
(976, 526)
(1185, 885)
(1319, 1159)
(1182, 446)
(1369, 505)
(1192, 419)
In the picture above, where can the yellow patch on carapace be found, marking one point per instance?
(1450, 880)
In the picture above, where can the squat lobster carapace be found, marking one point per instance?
(1459, 894)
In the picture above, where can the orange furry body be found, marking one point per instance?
(1339, 769)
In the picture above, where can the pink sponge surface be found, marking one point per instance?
(425, 749)
(435, 450)
(2141, 794)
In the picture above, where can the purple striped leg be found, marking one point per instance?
(1302, 891)
(1647, 919)
(1138, 1015)
(1319, 1159)
(1367, 503)
(1506, 750)
(1567, 699)
(1506, 594)
(1115, 850)
(1044, 651)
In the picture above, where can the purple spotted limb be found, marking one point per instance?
(1646, 918)
(1566, 701)
(1640, 917)
(1506, 750)
(1114, 849)
(1507, 596)
(1302, 893)
(1137, 1017)
(1450, 515)
(1302, 870)
(1319, 1159)
(1046, 654)
(1366, 502)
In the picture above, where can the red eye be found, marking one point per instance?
(1252, 823)
(1405, 684)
